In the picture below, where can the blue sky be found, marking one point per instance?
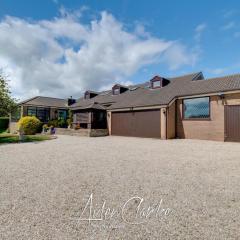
(60, 47)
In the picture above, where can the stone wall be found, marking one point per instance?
(82, 132)
(98, 132)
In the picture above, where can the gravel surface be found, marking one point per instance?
(192, 188)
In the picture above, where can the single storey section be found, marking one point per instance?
(212, 117)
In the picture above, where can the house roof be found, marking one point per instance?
(93, 105)
(142, 95)
(45, 101)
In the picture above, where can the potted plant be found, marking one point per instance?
(45, 128)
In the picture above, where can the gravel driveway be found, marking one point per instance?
(190, 189)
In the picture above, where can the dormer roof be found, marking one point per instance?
(142, 95)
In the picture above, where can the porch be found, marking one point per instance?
(93, 116)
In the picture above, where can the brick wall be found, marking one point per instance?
(204, 129)
(171, 121)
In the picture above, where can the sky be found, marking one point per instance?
(61, 48)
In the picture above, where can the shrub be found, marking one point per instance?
(29, 125)
(53, 123)
(58, 123)
(4, 122)
(62, 123)
(70, 118)
(45, 126)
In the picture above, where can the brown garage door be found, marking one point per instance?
(232, 123)
(136, 124)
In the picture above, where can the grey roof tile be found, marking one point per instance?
(141, 95)
(45, 101)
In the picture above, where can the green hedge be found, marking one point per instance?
(4, 122)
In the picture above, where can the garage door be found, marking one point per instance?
(232, 123)
(137, 124)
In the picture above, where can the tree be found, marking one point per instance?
(7, 103)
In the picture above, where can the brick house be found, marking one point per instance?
(188, 106)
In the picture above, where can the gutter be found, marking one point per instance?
(137, 108)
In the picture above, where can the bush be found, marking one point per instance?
(29, 125)
(62, 123)
(45, 127)
(4, 122)
(58, 123)
(53, 123)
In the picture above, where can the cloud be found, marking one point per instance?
(237, 34)
(218, 71)
(229, 13)
(229, 25)
(225, 70)
(178, 55)
(199, 30)
(63, 56)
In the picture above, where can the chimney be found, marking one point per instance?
(71, 101)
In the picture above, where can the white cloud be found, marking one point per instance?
(178, 55)
(218, 71)
(63, 56)
(199, 30)
(237, 34)
(229, 25)
(229, 13)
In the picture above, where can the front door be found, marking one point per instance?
(232, 123)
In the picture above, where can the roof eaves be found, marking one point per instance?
(28, 100)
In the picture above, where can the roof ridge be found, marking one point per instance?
(185, 75)
(51, 97)
(226, 76)
(145, 82)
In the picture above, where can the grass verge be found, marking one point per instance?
(3, 131)
(10, 138)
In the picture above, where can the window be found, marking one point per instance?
(116, 91)
(62, 114)
(32, 111)
(196, 108)
(87, 95)
(156, 84)
(43, 114)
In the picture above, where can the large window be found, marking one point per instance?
(43, 114)
(196, 108)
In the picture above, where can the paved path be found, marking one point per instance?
(45, 186)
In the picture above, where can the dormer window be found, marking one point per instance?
(158, 82)
(118, 89)
(90, 94)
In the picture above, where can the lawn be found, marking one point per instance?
(3, 131)
(12, 138)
